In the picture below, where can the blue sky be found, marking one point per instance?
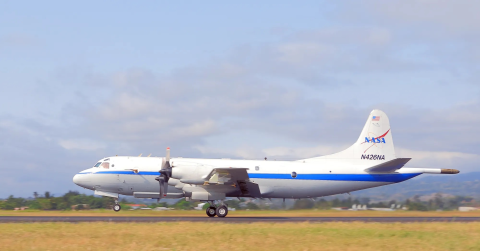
(287, 80)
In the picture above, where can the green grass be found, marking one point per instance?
(253, 213)
(252, 236)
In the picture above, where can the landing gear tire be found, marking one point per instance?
(211, 211)
(222, 211)
(117, 208)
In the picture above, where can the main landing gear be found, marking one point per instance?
(211, 211)
(117, 206)
(220, 211)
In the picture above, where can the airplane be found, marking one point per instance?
(369, 162)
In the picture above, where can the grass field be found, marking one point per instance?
(255, 236)
(272, 213)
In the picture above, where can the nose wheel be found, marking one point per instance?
(117, 206)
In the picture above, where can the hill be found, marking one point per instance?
(467, 184)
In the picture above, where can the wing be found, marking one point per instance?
(221, 182)
(227, 175)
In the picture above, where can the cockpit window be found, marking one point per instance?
(105, 165)
(96, 165)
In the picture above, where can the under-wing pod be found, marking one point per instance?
(150, 195)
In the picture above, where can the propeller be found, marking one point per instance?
(165, 174)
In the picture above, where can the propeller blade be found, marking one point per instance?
(165, 189)
(167, 156)
(162, 187)
(164, 176)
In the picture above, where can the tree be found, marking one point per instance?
(323, 204)
(252, 206)
(233, 204)
(183, 204)
(417, 206)
(303, 204)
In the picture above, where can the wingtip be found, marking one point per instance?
(449, 171)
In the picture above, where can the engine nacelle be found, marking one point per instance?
(191, 173)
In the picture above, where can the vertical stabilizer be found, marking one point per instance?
(374, 143)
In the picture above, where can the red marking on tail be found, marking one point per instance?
(383, 135)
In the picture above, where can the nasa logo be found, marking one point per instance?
(375, 140)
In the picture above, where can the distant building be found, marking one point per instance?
(136, 206)
(20, 208)
(199, 206)
(80, 207)
(161, 209)
(467, 209)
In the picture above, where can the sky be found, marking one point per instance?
(286, 80)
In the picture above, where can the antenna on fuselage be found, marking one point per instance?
(140, 155)
(149, 155)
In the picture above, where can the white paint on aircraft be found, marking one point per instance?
(369, 162)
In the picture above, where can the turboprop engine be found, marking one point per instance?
(191, 173)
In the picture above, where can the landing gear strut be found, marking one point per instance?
(117, 207)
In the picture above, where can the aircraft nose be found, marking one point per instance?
(76, 179)
(81, 180)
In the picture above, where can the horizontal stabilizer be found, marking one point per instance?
(389, 166)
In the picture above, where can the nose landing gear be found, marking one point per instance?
(117, 206)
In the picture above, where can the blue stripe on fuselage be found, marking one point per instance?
(128, 172)
(394, 177)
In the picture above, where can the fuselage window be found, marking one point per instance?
(257, 168)
(294, 175)
(96, 165)
(106, 165)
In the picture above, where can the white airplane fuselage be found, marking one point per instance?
(369, 162)
(127, 175)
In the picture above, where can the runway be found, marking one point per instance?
(77, 219)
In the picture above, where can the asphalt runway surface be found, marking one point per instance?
(76, 219)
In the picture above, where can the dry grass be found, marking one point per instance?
(255, 236)
(287, 213)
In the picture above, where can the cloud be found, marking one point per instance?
(304, 93)
(81, 144)
(457, 17)
(18, 40)
(465, 162)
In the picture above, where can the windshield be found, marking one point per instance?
(105, 165)
(98, 164)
